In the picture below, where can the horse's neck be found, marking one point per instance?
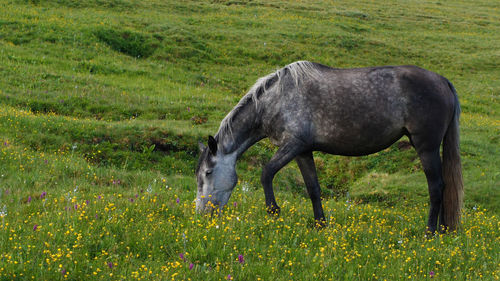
(242, 132)
(239, 140)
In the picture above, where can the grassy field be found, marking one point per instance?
(102, 105)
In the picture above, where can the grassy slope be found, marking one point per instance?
(112, 97)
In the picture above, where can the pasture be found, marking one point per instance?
(102, 105)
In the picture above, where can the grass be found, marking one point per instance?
(154, 234)
(102, 104)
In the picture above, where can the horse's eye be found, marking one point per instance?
(208, 172)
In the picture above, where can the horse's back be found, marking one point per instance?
(363, 110)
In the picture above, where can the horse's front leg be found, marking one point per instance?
(308, 170)
(283, 156)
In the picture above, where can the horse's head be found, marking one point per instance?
(216, 176)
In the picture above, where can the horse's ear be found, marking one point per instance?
(212, 144)
(201, 146)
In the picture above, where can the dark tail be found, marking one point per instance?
(452, 170)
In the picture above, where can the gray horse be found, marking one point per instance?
(306, 107)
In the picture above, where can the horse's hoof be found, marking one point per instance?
(443, 229)
(320, 224)
(274, 211)
(430, 233)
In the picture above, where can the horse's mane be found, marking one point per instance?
(298, 71)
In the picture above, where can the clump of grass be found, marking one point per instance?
(132, 43)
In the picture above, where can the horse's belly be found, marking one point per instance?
(352, 144)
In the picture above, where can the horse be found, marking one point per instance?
(306, 106)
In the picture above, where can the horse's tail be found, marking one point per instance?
(452, 170)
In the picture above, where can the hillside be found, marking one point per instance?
(103, 103)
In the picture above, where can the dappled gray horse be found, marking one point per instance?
(307, 107)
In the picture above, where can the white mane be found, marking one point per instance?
(299, 71)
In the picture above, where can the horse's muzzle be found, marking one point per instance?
(206, 206)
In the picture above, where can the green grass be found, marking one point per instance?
(102, 105)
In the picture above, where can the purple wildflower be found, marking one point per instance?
(431, 274)
(235, 204)
(191, 266)
(241, 259)
(43, 195)
(110, 264)
(29, 199)
(177, 200)
(99, 197)
(35, 227)
(87, 202)
(63, 271)
(181, 255)
(76, 206)
(229, 277)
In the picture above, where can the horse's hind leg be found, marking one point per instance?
(308, 170)
(431, 163)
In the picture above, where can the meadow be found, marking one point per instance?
(103, 103)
